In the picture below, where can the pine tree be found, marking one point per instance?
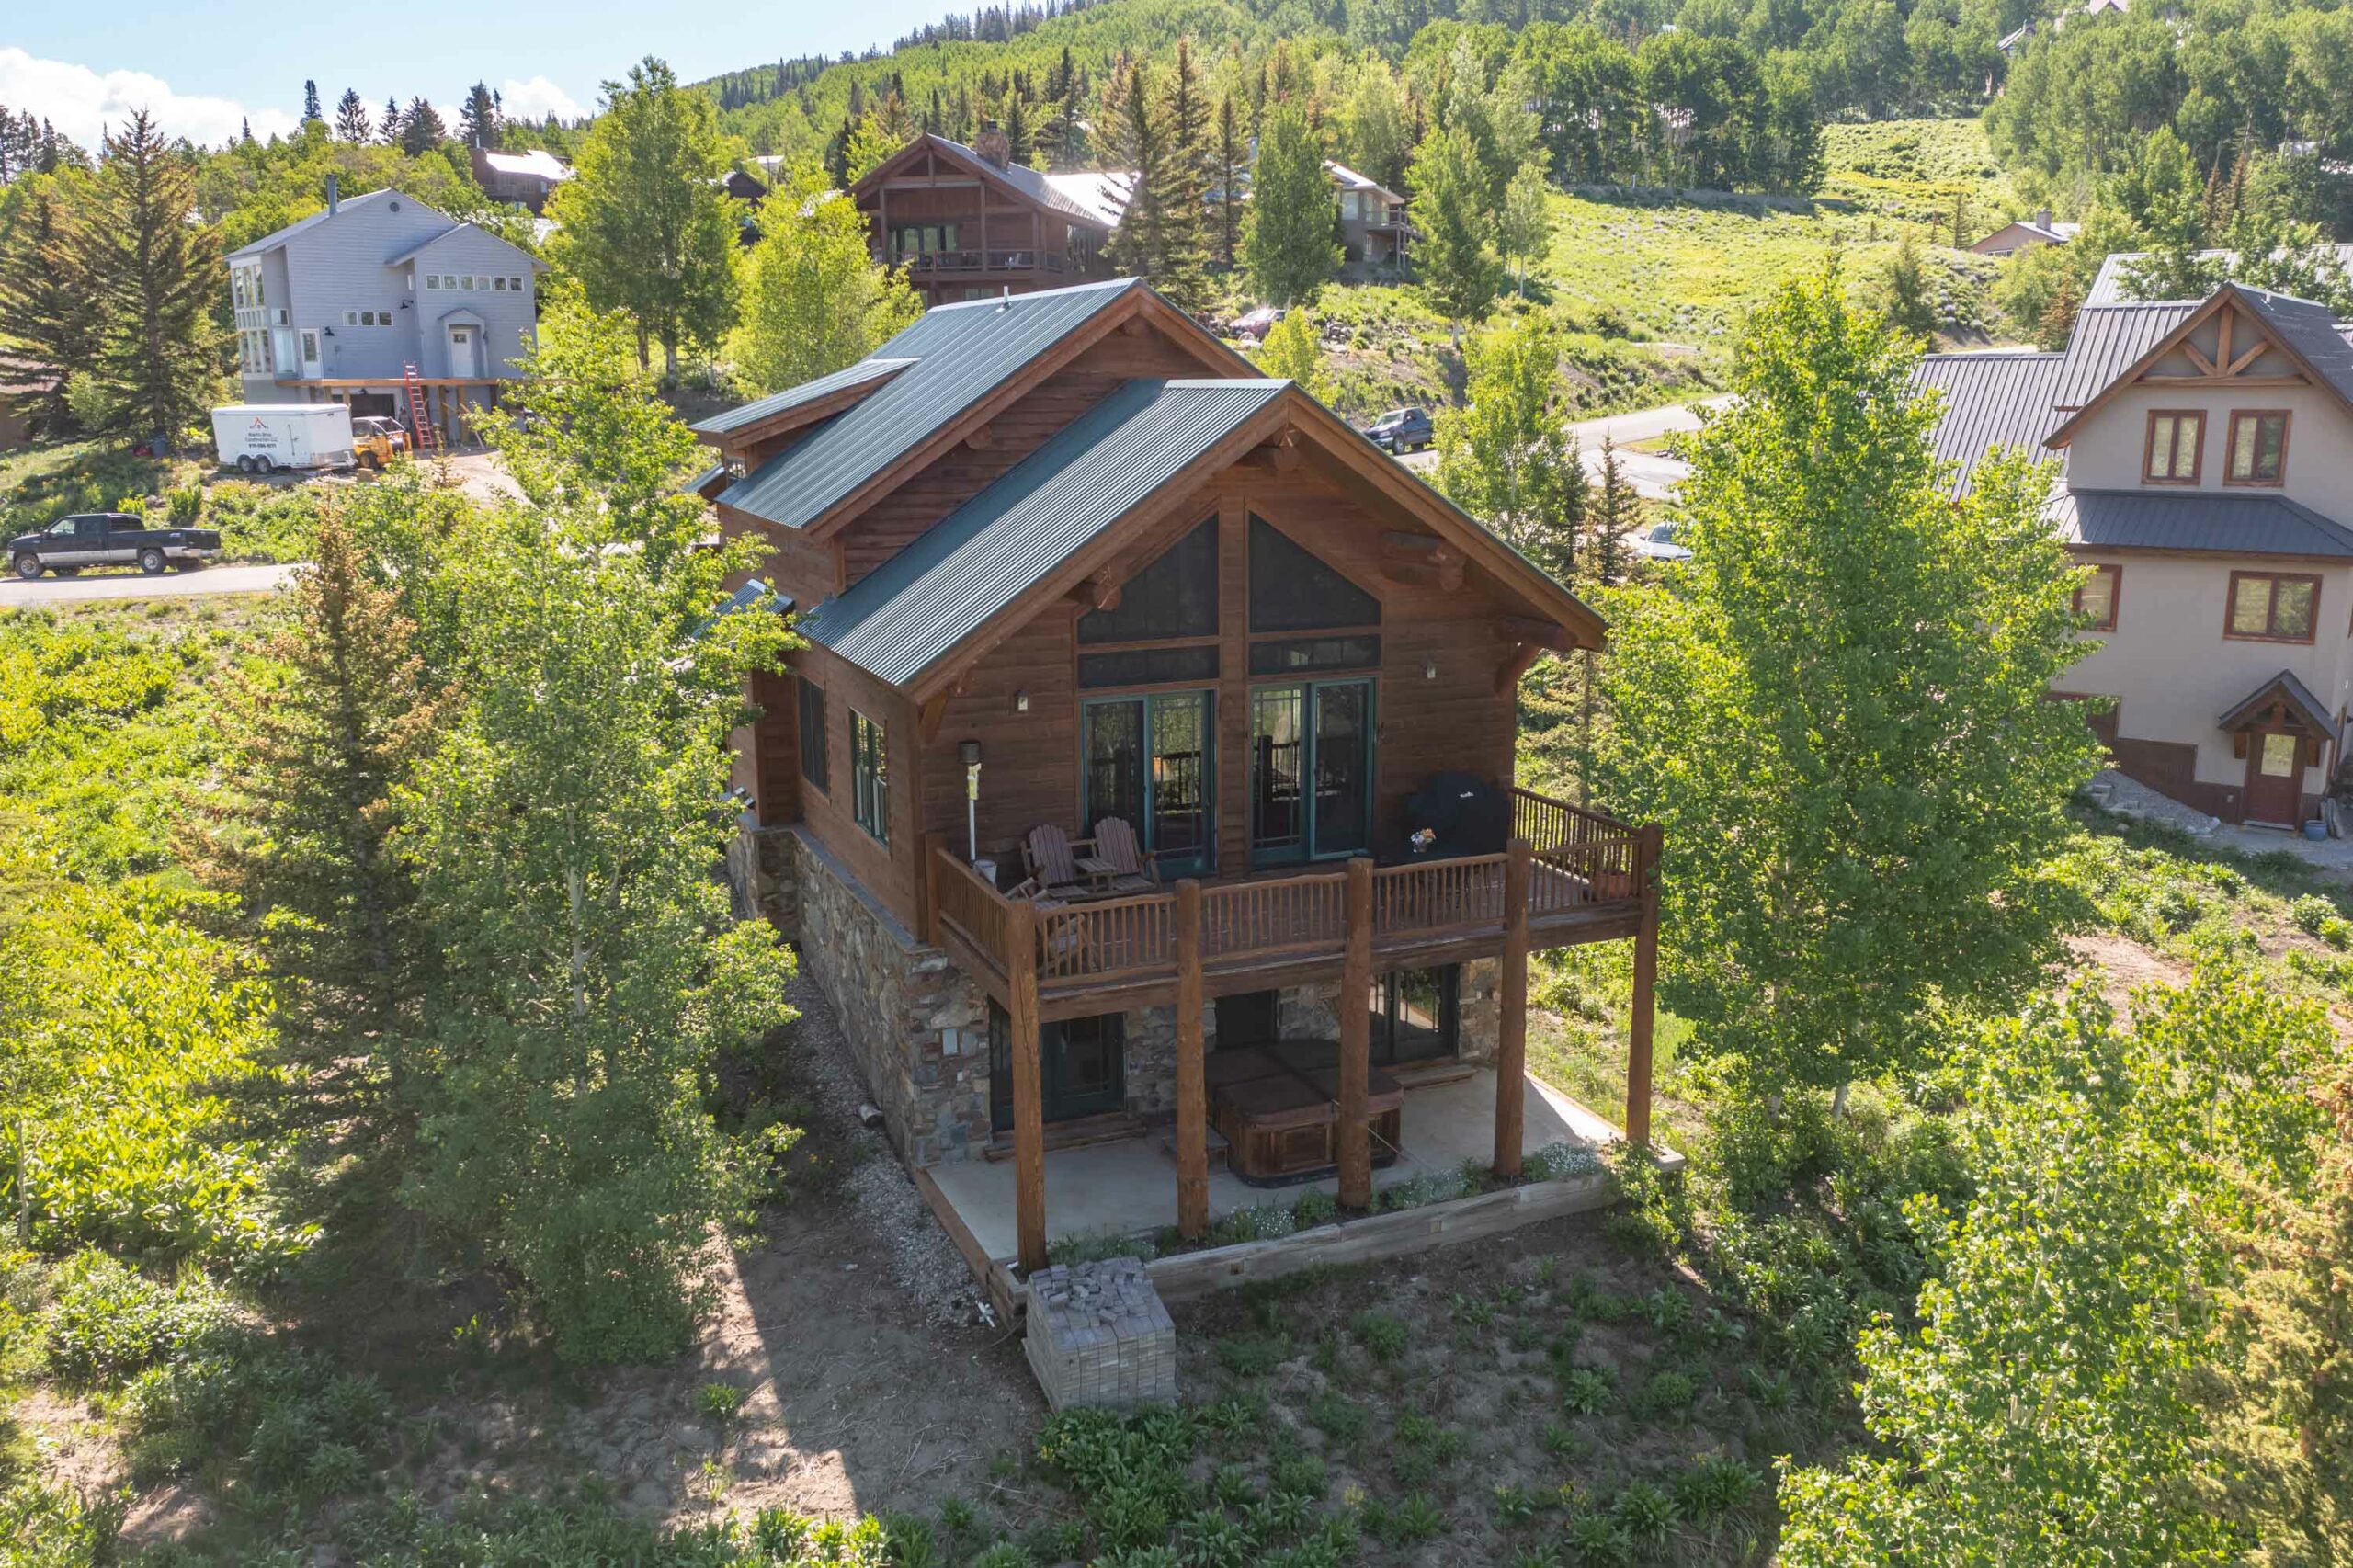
(311, 113)
(157, 274)
(478, 119)
(1232, 168)
(1290, 243)
(351, 123)
(387, 128)
(1137, 244)
(1184, 201)
(322, 745)
(421, 129)
(1020, 147)
(48, 307)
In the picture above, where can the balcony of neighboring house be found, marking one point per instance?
(1287, 1109)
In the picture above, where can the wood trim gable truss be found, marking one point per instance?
(979, 168)
(2228, 364)
(1563, 621)
(1138, 313)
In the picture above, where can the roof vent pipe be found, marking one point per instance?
(335, 195)
(1005, 299)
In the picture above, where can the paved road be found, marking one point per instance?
(130, 585)
(1654, 475)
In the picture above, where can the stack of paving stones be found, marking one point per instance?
(1098, 1336)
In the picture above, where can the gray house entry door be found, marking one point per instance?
(465, 360)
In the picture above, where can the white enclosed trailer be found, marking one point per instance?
(258, 437)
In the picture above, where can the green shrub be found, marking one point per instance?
(1258, 1223)
(1595, 1541)
(1664, 1393)
(1251, 1355)
(2310, 912)
(261, 522)
(1101, 1246)
(1560, 1161)
(1381, 1333)
(1315, 1207)
(1336, 1419)
(1585, 1390)
(717, 1403)
(1644, 1511)
(111, 1321)
(55, 1527)
(1713, 1485)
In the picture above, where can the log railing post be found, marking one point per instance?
(1028, 1103)
(1641, 1020)
(1193, 1089)
(1511, 1026)
(1356, 1038)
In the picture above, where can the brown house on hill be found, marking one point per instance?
(1147, 777)
(968, 221)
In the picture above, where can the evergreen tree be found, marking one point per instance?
(1455, 256)
(351, 122)
(48, 305)
(1231, 167)
(478, 118)
(1290, 246)
(322, 744)
(421, 129)
(1183, 203)
(157, 274)
(1020, 147)
(646, 226)
(387, 128)
(1137, 244)
(311, 112)
(1904, 291)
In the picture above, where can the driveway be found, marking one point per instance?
(131, 585)
(1654, 475)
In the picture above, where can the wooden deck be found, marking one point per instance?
(1569, 876)
(1585, 877)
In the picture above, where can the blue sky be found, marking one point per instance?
(202, 71)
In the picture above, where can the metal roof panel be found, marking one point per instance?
(1991, 400)
(775, 404)
(2109, 340)
(900, 619)
(2225, 523)
(961, 354)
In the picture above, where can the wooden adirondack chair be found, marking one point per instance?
(1133, 871)
(1053, 864)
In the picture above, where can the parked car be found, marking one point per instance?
(108, 539)
(1402, 430)
(1658, 543)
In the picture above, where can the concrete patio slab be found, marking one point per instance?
(1131, 1186)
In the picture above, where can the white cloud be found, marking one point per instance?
(537, 100)
(81, 103)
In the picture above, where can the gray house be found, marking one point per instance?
(339, 305)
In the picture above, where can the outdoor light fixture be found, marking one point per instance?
(970, 752)
(1429, 670)
(1021, 702)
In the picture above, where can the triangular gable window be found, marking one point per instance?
(1173, 597)
(1292, 590)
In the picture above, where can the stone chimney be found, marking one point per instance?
(2042, 217)
(991, 144)
(335, 195)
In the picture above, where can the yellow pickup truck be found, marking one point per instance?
(376, 440)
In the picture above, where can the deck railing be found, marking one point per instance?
(1580, 861)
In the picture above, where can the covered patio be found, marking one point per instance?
(1129, 1186)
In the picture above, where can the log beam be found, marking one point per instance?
(1192, 1084)
(1028, 1096)
(1544, 633)
(1523, 657)
(1511, 1027)
(1421, 558)
(1356, 1038)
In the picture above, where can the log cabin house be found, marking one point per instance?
(1063, 557)
(968, 221)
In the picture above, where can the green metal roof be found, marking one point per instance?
(768, 407)
(902, 618)
(957, 355)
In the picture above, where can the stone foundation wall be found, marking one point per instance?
(1311, 1012)
(764, 877)
(916, 1026)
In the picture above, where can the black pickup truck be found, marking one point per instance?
(108, 539)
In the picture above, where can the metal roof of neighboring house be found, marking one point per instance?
(419, 249)
(901, 618)
(2107, 287)
(962, 353)
(768, 407)
(538, 164)
(1081, 195)
(2109, 339)
(1991, 400)
(272, 240)
(2222, 523)
(1347, 179)
(1103, 192)
(2310, 329)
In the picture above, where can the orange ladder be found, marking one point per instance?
(428, 439)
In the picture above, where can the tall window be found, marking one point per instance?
(812, 733)
(2258, 445)
(2175, 436)
(2096, 596)
(870, 776)
(2265, 608)
(1417, 1014)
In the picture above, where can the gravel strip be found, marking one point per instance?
(923, 1263)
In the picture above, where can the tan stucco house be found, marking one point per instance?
(2205, 483)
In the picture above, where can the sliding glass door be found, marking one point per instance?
(1311, 771)
(1148, 762)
